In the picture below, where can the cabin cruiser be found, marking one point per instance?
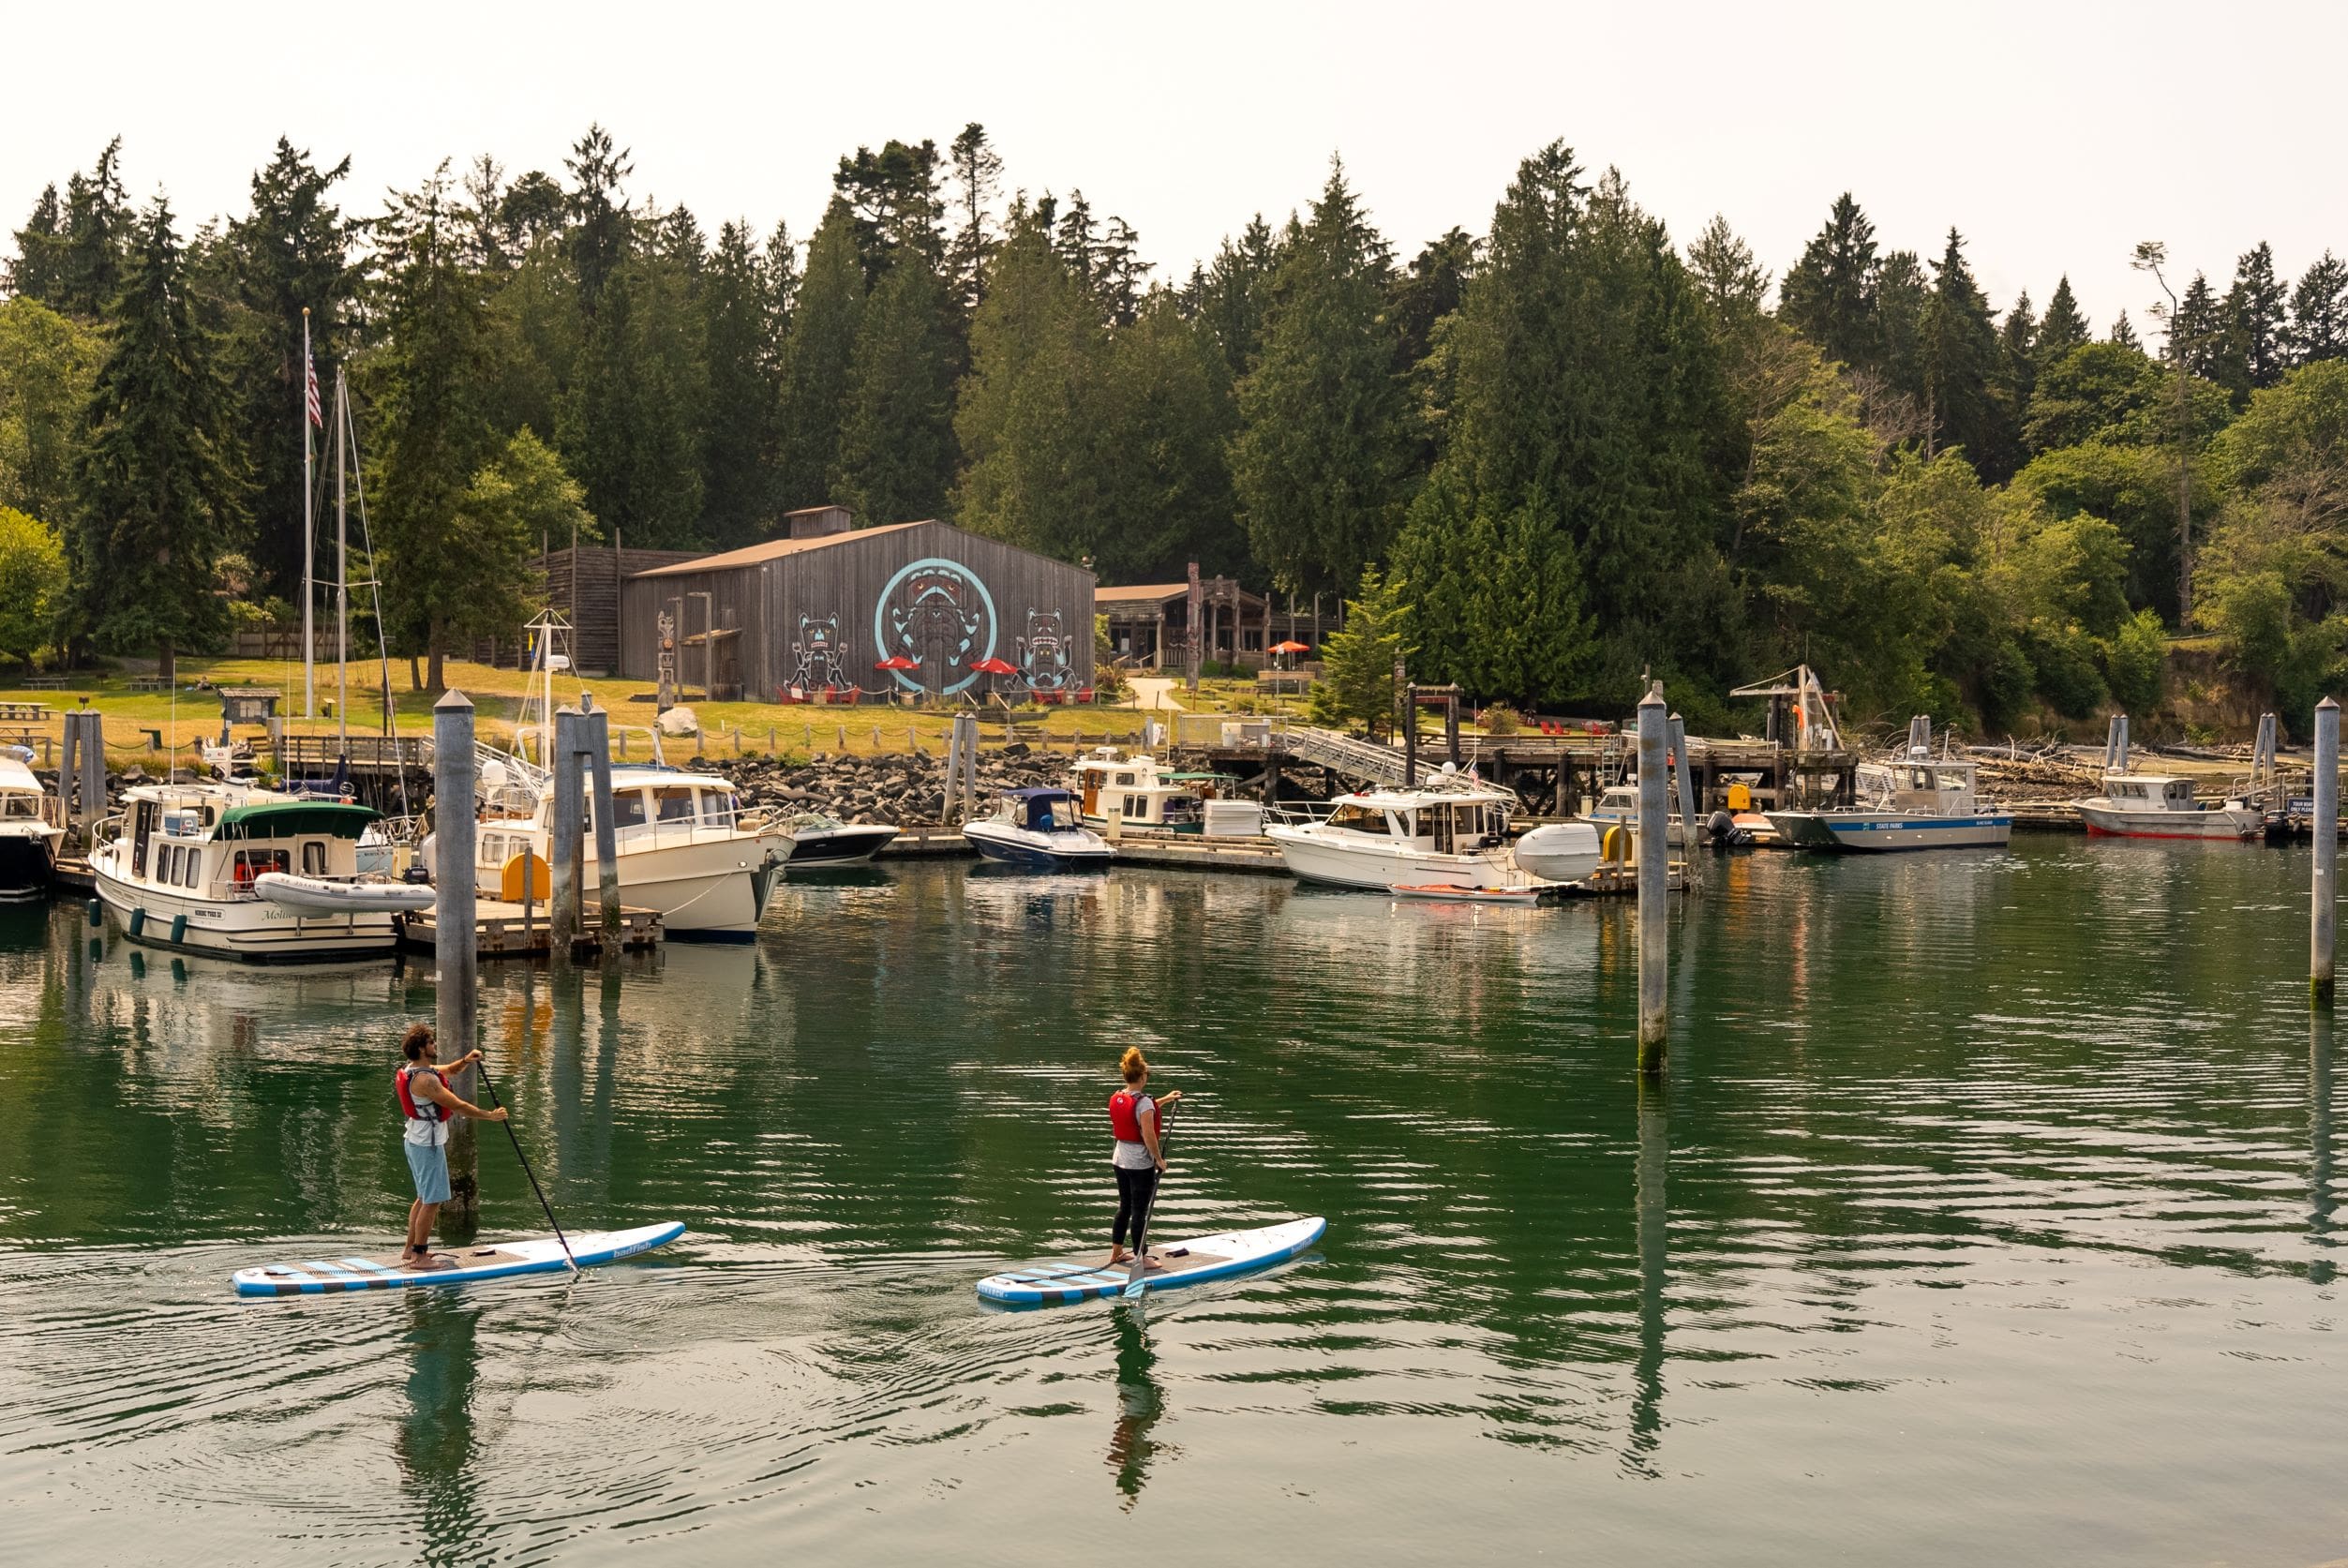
(1618, 807)
(1037, 828)
(28, 836)
(817, 840)
(1456, 833)
(688, 851)
(244, 873)
(2162, 806)
(1912, 801)
(1136, 794)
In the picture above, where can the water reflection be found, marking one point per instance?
(434, 1442)
(2320, 1270)
(1141, 1403)
(1653, 1210)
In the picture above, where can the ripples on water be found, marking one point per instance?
(1987, 1214)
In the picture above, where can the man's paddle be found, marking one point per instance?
(1135, 1285)
(492, 1088)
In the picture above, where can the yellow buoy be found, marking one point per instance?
(526, 876)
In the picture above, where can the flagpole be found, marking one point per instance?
(310, 547)
(342, 573)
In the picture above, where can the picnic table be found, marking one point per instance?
(46, 682)
(148, 683)
(23, 713)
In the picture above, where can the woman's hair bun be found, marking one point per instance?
(1133, 1064)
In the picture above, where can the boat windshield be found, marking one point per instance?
(19, 805)
(1357, 818)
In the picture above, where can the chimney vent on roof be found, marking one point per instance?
(814, 522)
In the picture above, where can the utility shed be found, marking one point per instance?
(826, 608)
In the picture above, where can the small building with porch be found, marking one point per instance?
(1149, 623)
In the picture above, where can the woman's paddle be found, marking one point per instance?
(492, 1088)
(1135, 1285)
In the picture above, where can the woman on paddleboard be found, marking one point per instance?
(1134, 1116)
(427, 1106)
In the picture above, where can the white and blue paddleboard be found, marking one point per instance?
(1172, 1265)
(537, 1255)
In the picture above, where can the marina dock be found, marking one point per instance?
(509, 931)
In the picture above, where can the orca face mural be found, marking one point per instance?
(937, 615)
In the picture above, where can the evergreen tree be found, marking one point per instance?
(2064, 328)
(1160, 447)
(1320, 461)
(1828, 297)
(46, 364)
(530, 212)
(1232, 294)
(2257, 326)
(447, 564)
(2319, 312)
(160, 498)
(1077, 240)
(1123, 276)
(292, 252)
(896, 454)
(38, 271)
(631, 425)
(1431, 289)
(1903, 301)
(976, 172)
(1357, 664)
(1731, 282)
(1960, 359)
(2124, 334)
(2017, 366)
(599, 230)
(779, 267)
(745, 392)
(98, 234)
(2198, 335)
(896, 203)
(815, 363)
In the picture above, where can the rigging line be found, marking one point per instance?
(383, 650)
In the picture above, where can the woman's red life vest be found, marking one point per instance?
(1125, 1115)
(412, 1107)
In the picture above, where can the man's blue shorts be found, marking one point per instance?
(428, 1164)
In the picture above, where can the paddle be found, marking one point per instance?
(1135, 1285)
(508, 1124)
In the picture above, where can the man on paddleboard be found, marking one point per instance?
(1133, 1117)
(427, 1106)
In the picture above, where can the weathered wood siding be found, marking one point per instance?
(596, 572)
(952, 598)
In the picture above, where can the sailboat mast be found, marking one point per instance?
(342, 568)
(310, 547)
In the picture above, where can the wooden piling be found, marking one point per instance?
(566, 849)
(1683, 777)
(2322, 917)
(1654, 871)
(455, 959)
(595, 735)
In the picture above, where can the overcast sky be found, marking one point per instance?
(2054, 136)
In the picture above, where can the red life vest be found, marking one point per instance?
(1125, 1115)
(412, 1107)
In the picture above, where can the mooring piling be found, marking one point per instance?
(1654, 871)
(2322, 917)
(1683, 777)
(567, 850)
(2115, 746)
(456, 957)
(595, 733)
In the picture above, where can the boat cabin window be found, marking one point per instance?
(1125, 778)
(627, 808)
(314, 858)
(1137, 805)
(252, 862)
(19, 805)
(2178, 790)
(717, 807)
(674, 804)
(1359, 819)
(192, 859)
(167, 864)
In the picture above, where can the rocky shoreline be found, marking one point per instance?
(894, 787)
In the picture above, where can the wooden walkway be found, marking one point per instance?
(509, 931)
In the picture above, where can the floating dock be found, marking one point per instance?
(510, 930)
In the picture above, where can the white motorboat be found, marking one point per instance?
(817, 840)
(1137, 793)
(180, 868)
(2162, 806)
(1039, 828)
(687, 849)
(1912, 801)
(28, 831)
(1618, 807)
(1455, 835)
(1559, 851)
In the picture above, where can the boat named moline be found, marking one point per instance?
(184, 866)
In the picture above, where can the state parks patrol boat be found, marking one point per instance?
(182, 866)
(1912, 801)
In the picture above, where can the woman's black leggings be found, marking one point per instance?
(1135, 1191)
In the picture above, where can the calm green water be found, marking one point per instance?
(1987, 1216)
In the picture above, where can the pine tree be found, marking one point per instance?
(1123, 276)
(1960, 359)
(815, 361)
(2064, 328)
(2124, 334)
(1077, 240)
(1160, 447)
(1731, 282)
(745, 392)
(1828, 297)
(2319, 312)
(38, 269)
(631, 425)
(98, 234)
(2198, 333)
(896, 203)
(1357, 664)
(1902, 299)
(2017, 370)
(1232, 294)
(292, 252)
(600, 220)
(1320, 461)
(977, 172)
(2257, 326)
(160, 500)
(896, 456)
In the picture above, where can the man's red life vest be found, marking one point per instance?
(1125, 1115)
(412, 1107)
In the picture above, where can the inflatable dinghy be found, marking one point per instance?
(333, 895)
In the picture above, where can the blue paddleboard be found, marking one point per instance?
(1172, 1266)
(537, 1255)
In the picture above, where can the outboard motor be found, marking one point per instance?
(1725, 832)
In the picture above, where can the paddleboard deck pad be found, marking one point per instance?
(537, 1255)
(1172, 1265)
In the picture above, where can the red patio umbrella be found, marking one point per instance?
(991, 665)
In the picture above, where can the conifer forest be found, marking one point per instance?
(1556, 445)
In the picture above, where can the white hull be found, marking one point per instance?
(713, 885)
(1675, 832)
(254, 929)
(1379, 866)
(1863, 831)
(2220, 822)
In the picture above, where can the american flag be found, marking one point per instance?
(317, 414)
